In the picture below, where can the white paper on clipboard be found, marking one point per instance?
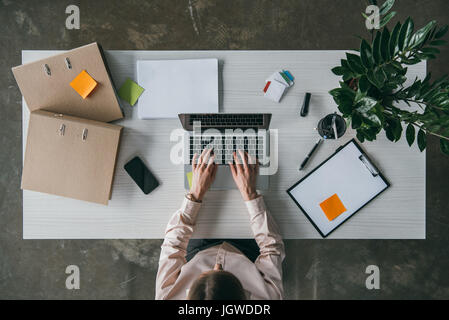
(350, 175)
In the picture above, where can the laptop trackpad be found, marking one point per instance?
(223, 179)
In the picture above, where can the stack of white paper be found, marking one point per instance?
(177, 86)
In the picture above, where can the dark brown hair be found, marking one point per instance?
(216, 285)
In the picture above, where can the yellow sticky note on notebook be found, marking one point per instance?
(83, 84)
(332, 207)
(189, 178)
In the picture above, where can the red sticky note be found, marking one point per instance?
(332, 207)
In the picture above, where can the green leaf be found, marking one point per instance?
(360, 136)
(406, 33)
(398, 130)
(410, 61)
(394, 48)
(389, 133)
(355, 63)
(364, 84)
(366, 104)
(386, 7)
(339, 71)
(386, 19)
(372, 119)
(373, 80)
(420, 35)
(421, 140)
(397, 66)
(376, 48)
(441, 32)
(380, 76)
(356, 120)
(344, 99)
(384, 44)
(438, 43)
(410, 134)
(393, 129)
(413, 89)
(370, 133)
(430, 50)
(366, 54)
(444, 146)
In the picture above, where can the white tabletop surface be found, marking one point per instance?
(398, 213)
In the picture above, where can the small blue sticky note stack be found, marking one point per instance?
(277, 84)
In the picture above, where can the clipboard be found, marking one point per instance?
(346, 181)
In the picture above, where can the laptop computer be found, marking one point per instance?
(225, 133)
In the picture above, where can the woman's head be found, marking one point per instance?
(216, 285)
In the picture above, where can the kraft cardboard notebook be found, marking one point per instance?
(76, 82)
(70, 156)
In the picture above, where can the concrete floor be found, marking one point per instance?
(126, 269)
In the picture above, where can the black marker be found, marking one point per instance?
(305, 104)
(303, 164)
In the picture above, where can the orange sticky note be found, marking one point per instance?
(332, 207)
(83, 84)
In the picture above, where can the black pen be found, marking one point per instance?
(303, 164)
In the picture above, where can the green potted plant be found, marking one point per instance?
(373, 84)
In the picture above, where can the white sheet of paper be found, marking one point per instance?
(177, 86)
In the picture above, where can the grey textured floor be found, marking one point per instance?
(126, 269)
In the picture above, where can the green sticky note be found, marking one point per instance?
(189, 178)
(130, 91)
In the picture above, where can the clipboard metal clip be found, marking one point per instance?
(369, 165)
(84, 136)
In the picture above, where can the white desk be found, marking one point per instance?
(399, 213)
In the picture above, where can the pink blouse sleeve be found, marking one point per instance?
(177, 234)
(272, 251)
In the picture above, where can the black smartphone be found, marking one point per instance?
(139, 172)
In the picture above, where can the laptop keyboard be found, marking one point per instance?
(226, 119)
(224, 146)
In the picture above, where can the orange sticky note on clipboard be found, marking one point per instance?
(332, 207)
(83, 84)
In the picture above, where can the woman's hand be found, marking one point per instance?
(203, 173)
(245, 173)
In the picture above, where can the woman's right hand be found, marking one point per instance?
(244, 172)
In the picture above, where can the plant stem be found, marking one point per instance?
(429, 132)
(424, 103)
(417, 125)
